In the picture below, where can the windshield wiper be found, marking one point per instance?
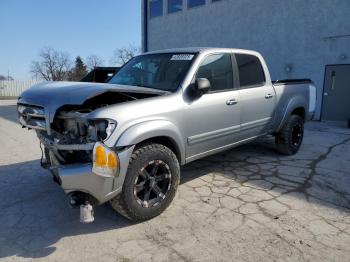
(143, 86)
(155, 89)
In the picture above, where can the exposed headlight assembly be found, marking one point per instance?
(110, 128)
(101, 129)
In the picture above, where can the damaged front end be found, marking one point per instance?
(74, 143)
(68, 132)
(74, 150)
(63, 114)
(73, 136)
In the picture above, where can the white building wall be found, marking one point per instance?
(298, 38)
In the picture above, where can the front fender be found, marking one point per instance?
(150, 129)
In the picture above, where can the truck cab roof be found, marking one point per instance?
(203, 50)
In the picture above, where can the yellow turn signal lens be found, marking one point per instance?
(112, 160)
(101, 159)
(105, 161)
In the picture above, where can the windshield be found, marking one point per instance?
(158, 71)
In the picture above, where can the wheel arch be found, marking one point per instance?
(157, 131)
(296, 106)
(165, 141)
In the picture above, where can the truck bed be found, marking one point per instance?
(291, 93)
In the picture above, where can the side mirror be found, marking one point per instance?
(201, 86)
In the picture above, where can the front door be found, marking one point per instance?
(336, 97)
(213, 120)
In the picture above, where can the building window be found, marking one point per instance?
(174, 6)
(155, 8)
(193, 3)
(218, 70)
(250, 71)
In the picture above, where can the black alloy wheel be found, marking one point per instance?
(290, 137)
(152, 184)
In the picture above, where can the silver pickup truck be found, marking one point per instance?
(124, 141)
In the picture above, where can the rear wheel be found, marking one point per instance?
(290, 138)
(150, 184)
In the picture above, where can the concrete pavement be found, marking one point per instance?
(246, 204)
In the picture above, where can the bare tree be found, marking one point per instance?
(52, 65)
(93, 61)
(124, 54)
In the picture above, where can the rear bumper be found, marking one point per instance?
(80, 178)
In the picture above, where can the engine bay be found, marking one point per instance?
(73, 134)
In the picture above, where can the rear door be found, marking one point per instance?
(257, 96)
(213, 120)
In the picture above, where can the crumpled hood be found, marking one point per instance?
(53, 95)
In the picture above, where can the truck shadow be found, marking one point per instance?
(35, 213)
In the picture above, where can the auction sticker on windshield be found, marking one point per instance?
(182, 57)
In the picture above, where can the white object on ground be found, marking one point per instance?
(86, 213)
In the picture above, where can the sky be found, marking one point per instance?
(79, 27)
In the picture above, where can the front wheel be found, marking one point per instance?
(150, 184)
(290, 137)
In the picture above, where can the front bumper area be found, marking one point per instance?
(80, 178)
(69, 150)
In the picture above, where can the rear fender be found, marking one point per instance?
(295, 102)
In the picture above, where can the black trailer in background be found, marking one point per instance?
(100, 74)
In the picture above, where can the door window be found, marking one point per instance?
(217, 69)
(251, 72)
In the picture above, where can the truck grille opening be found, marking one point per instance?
(32, 116)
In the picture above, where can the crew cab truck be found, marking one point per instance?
(123, 142)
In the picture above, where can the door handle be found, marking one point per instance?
(231, 102)
(268, 96)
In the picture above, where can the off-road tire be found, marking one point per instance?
(125, 203)
(286, 139)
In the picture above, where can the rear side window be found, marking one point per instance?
(251, 72)
(218, 70)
